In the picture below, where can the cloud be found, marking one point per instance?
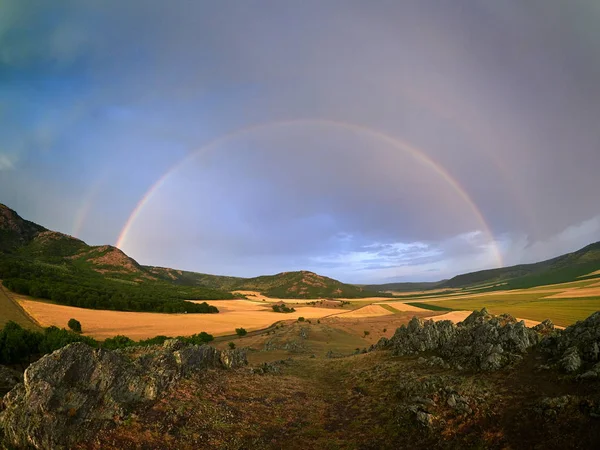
(502, 97)
(7, 162)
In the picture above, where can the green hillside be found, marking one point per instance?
(561, 269)
(304, 284)
(299, 284)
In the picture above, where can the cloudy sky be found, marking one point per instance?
(371, 141)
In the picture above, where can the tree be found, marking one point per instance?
(74, 325)
(300, 319)
(231, 345)
(241, 332)
(366, 333)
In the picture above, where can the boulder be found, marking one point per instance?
(71, 394)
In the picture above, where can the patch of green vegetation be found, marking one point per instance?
(282, 309)
(390, 308)
(430, 306)
(20, 345)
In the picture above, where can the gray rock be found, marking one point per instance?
(74, 392)
(425, 418)
(482, 341)
(571, 361)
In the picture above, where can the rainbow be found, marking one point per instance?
(392, 141)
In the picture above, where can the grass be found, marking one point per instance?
(430, 306)
(9, 310)
(562, 311)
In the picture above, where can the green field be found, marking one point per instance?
(562, 311)
(10, 311)
(430, 306)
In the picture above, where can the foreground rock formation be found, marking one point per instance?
(71, 394)
(482, 341)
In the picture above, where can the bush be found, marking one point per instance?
(231, 345)
(366, 333)
(74, 325)
(282, 309)
(300, 319)
(241, 332)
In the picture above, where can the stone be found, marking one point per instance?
(482, 341)
(571, 361)
(71, 394)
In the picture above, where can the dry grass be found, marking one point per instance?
(102, 324)
(578, 293)
(366, 311)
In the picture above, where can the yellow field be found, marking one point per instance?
(102, 324)
(365, 311)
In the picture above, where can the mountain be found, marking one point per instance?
(561, 269)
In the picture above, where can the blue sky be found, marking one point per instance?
(98, 99)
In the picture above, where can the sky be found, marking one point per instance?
(372, 142)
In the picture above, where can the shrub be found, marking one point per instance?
(300, 319)
(231, 345)
(366, 333)
(74, 325)
(241, 332)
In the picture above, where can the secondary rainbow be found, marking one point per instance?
(392, 141)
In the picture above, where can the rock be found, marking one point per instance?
(571, 361)
(232, 359)
(304, 333)
(482, 341)
(425, 418)
(71, 394)
(9, 378)
(546, 327)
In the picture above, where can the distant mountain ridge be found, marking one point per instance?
(561, 269)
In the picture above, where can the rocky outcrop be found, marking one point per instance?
(577, 348)
(482, 341)
(72, 393)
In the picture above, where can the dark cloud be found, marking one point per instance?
(98, 99)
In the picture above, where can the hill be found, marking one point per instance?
(296, 284)
(561, 269)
